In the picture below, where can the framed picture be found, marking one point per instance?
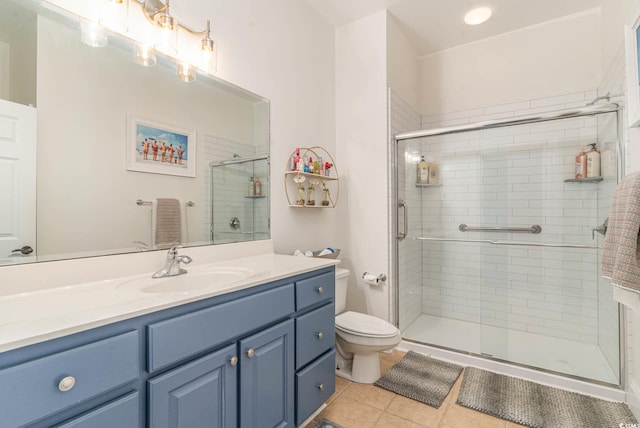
(160, 148)
(632, 54)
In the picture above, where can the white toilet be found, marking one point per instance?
(359, 337)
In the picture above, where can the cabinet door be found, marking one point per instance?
(267, 378)
(202, 393)
(121, 413)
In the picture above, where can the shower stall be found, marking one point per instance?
(500, 257)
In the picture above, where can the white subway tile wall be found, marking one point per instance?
(229, 186)
(513, 176)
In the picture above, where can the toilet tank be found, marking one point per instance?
(342, 277)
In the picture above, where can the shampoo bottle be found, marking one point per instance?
(258, 187)
(434, 173)
(593, 162)
(422, 172)
(581, 165)
(252, 187)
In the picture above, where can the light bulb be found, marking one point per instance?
(477, 16)
(93, 34)
(113, 15)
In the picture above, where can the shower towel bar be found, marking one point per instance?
(514, 243)
(535, 229)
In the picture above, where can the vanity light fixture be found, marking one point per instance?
(166, 32)
(186, 72)
(478, 15)
(93, 34)
(145, 55)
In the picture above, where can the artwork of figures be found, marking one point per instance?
(161, 149)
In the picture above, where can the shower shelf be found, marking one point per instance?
(428, 185)
(584, 180)
(325, 188)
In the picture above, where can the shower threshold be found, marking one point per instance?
(551, 354)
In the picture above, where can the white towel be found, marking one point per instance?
(621, 254)
(168, 222)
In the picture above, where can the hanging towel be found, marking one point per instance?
(168, 224)
(621, 254)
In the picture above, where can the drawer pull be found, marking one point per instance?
(320, 386)
(251, 353)
(319, 335)
(66, 383)
(320, 290)
(233, 361)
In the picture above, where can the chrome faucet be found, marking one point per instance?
(172, 268)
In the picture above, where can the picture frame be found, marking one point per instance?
(632, 55)
(159, 148)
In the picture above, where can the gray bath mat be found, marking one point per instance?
(421, 378)
(538, 406)
(326, 423)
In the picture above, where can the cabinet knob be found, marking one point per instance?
(233, 361)
(66, 383)
(251, 353)
(320, 386)
(320, 290)
(319, 335)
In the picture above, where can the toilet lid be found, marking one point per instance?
(364, 325)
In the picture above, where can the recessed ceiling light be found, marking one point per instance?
(477, 16)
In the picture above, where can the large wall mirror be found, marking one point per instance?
(98, 154)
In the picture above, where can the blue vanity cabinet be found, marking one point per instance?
(201, 393)
(259, 357)
(315, 343)
(267, 378)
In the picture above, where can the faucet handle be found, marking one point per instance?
(185, 259)
(173, 251)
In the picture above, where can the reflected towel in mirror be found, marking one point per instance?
(168, 222)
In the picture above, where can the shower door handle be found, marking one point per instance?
(401, 235)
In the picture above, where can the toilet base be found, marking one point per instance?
(364, 369)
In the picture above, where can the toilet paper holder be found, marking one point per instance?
(373, 279)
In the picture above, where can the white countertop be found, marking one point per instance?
(38, 315)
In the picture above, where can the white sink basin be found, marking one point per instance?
(189, 282)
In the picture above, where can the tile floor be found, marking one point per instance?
(355, 405)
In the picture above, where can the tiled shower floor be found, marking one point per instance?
(549, 353)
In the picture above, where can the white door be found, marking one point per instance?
(17, 182)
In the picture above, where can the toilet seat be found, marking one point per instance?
(359, 324)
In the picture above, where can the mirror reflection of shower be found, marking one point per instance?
(239, 198)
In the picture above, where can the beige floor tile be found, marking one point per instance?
(457, 416)
(455, 389)
(369, 394)
(351, 413)
(415, 411)
(385, 365)
(341, 385)
(388, 420)
(514, 425)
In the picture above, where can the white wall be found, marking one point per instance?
(556, 57)
(361, 130)
(284, 51)
(402, 64)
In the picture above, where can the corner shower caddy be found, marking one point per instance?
(301, 188)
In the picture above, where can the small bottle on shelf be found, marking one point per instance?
(581, 165)
(258, 187)
(252, 187)
(593, 162)
(434, 173)
(422, 172)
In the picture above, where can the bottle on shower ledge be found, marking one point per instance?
(581, 165)
(423, 172)
(593, 161)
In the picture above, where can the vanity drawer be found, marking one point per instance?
(315, 334)
(178, 338)
(35, 389)
(314, 290)
(314, 385)
(122, 413)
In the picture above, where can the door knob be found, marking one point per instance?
(251, 353)
(233, 361)
(26, 250)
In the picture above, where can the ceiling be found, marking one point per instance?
(435, 25)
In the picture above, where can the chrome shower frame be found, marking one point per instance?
(396, 204)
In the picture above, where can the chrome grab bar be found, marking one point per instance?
(515, 243)
(535, 229)
(402, 204)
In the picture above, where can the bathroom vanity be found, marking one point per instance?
(254, 352)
